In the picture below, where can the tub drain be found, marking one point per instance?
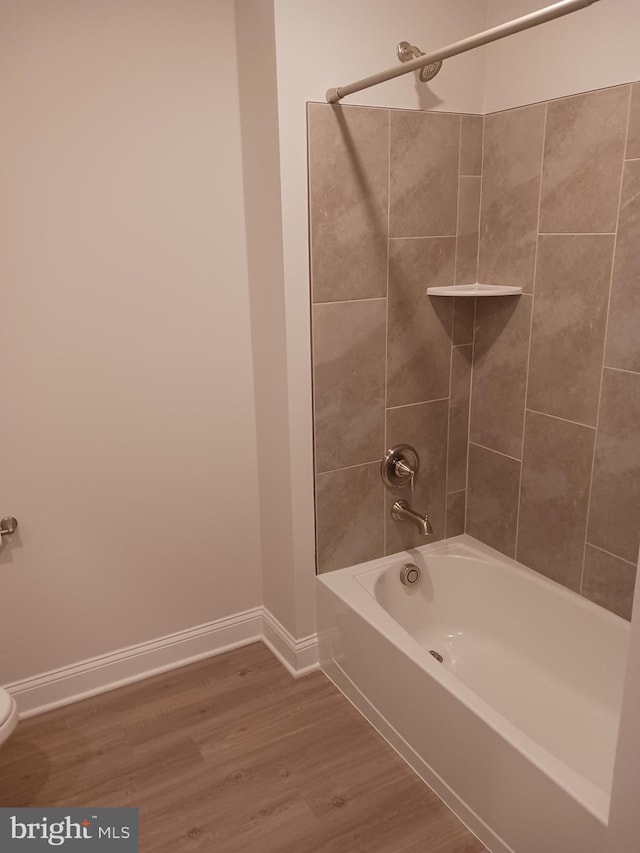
(436, 655)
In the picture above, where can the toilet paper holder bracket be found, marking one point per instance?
(8, 525)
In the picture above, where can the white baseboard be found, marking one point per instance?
(98, 675)
(298, 656)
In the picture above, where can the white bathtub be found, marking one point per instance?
(516, 729)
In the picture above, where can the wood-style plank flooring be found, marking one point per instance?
(231, 754)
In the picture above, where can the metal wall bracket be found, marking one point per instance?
(406, 52)
(8, 525)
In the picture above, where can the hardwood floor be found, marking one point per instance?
(229, 755)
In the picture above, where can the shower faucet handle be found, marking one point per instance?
(400, 467)
(405, 471)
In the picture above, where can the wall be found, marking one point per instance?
(554, 457)
(510, 240)
(338, 41)
(317, 45)
(314, 49)
(394, 204)
(589, 49)
(128, 176)
(128, 427)
(263, 216)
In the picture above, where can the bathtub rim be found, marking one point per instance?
(466, 547)
(347, 584)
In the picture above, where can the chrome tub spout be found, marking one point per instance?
(401, 511)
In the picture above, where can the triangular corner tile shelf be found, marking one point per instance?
(474, 290)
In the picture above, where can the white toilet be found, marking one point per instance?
(8, 715)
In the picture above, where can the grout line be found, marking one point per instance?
(446, 468)
(453, 323)
(456, 492)
(632, 159)
(386, 339)
(491, 450)
(419, 403)
(576, 233)
(460, 346)
(461, 175)
(348, 467)
(621, 370)
(480, 203)
(611, 554)
(427, 237)
(314, 431)
(342, 301)
(473, 359)
(530, 344)
(473, 337)
(557, 418)
(604, 348)
(455, 254)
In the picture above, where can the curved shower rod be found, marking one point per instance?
(549, 13)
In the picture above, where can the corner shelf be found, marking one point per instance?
(475, 290)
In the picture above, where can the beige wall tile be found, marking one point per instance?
(468, 224)
(350, 162)
(349, 180)
(569, 321)
(424, 427)
(424, 173)
(609, 581)
(419, 334)
(349, 511)
(511, 169)
(459, 417)
(464, 314)
(583, 152)
(471, 145)
(499, 372)
(623, 338)
(556, 473)
(456, 508)
(614, 519)
(633, 134)
(349, 370)
(492, 499)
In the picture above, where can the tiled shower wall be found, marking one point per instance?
(394, 205)
(554, 445)
(554, 453)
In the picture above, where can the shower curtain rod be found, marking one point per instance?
(549, 13)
